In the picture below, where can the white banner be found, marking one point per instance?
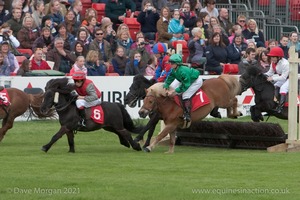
(114, 89)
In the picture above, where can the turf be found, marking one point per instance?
(103, 169)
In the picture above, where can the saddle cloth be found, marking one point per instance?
(4, 98)
(199, 99)
(97, 114)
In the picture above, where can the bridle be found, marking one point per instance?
(154, 103)
(252, 83)
(64, 106)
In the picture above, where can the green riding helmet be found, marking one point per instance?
(176, 58)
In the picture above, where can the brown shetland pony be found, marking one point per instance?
(19, 103)
(221, 92)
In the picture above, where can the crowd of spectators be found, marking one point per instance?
(58, 31)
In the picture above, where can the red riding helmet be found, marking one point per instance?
(80, 75)
(159, 48)
(276, 51)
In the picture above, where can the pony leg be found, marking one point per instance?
(136, 146)
(161, 135)
(172, 142)
(71, 143)
(7, 123)
(56, 137)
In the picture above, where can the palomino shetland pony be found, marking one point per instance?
(116, 117)
(264, 94)
(221, 92)
(18, 103)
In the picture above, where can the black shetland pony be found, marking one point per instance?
(116, 117)
(137, 91)
(264, 94)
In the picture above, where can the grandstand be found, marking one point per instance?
(274, 17)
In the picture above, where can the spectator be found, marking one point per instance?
(271, 44)
(176, 26)
(173, 5)
(135, 65)
(159, 4)
(70, 22)
(89, 12)
(196, 47)
(47, 22)
(38, 12)
(264, 61)
(91, 25)
(251, 44)
(26, 6)
(94, 68)
(242, 21)
(225, 23)
(237, 49)
(199, 24)
(54, 11)
(15, 22)
(253, 33)
(145, 56)
(119, 61)
(151, 66)
(37, 63)
(79, 66)
(218, 29)
(110, 35)
(103, 48)
(293, 36)
(123, 27)
(77, 8)
(162, 26)
(248, 61)
(116, 10)
(124, 41)
(61, 57)
(236, 29)
(216, 54)
(68, 38)
(189, 17)
(6, 34)
(148, 19)
(4, 14)
(283, 43)
(45, 41)
(5, 69)
(79, 49)
(84, 37)
(24, 68)
(206, 20)
(210, 8)
(9, 58)
(27, 34)
(134, 45)
(138, 4)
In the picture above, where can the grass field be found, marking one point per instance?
(103, 169)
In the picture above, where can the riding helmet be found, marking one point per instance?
(80, 75)
(176, 58)
(276, 52)
(159, 48)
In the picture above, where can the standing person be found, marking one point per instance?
(210, 8)
(190, 82)
(176, 26)
(88, 94)
(63, 59)
(37, 62)
(162, 27)
(280, 66)
(15, 22)
(225, 23)
(148, 19)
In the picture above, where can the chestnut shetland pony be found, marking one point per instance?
(19, 103)
(221, 91)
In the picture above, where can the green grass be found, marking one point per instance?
(103, 169)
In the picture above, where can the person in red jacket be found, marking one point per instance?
(88, 94)
(37, 63)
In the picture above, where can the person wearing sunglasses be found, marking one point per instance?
(242, 21)
(210, 8)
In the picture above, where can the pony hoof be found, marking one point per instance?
(71, 151)
(147, 150)
(44, 149)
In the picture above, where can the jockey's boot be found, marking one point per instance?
(187, 109)
(277, 95)
(82, 117)
(281, 103)
(215, 113)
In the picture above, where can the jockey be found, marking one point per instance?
(163, 68)
(88, 94)
(190, 82)
(280, 66)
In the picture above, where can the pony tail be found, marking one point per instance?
(35, 102)
(128, 122)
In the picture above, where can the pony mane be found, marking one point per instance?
(142, 80)
(60, 84)
(233, 84)
(157, 90)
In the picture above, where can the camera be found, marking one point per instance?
(183, 10)
(5, 30)
(150, 8)
(144, 43)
